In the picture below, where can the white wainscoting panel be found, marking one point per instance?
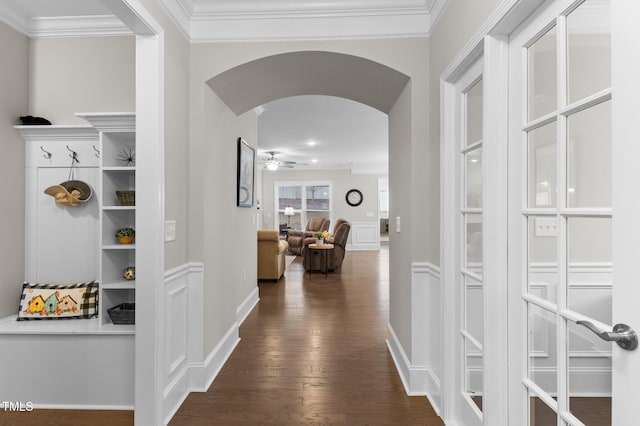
(420, 374)
(186, 368)
(365, 236)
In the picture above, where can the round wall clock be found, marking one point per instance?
(354, 197)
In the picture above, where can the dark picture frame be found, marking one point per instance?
(246, 174)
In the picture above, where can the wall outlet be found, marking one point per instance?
(169, 231)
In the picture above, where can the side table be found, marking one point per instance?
(326, 248)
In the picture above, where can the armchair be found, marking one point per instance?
(312, 260)
(295, 238)
(271, 255)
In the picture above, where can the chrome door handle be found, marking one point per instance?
(622, 334)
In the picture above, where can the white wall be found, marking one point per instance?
(14, 71)
(81, 74)
(342, 181)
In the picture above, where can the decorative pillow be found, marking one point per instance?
(58, 301)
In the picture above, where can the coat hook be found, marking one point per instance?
(73, 155)
(97, 154)
(47, 154)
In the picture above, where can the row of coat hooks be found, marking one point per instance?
(73, 155)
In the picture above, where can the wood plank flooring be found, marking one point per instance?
(313, 352)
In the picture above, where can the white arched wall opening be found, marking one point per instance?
(227, 81)
(227, 100)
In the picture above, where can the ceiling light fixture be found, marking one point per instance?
(272, 165)
(311, 143)
(315, 160)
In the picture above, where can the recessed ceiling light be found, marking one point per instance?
(311, 143)
(315, 160)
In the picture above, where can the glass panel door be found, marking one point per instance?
(470, 266)
(561, 145)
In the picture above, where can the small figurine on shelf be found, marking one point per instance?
(125, 235)
(129, 273)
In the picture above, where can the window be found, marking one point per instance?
(308, 200)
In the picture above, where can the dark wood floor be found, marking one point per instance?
(313, 352)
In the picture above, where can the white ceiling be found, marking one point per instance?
(348, 134)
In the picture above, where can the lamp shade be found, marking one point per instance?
(288, 211)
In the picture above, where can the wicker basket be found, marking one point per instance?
(126, 198)
(124, 313)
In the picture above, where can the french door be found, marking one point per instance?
(570, 222)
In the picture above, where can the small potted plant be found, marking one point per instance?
(125, 235)
(321, 236)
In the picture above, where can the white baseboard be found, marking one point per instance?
(247, 306)
(417, 380)
(196, 374)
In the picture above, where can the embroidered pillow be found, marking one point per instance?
(58, 301)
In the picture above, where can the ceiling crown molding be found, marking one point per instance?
(77, 26)
(227, 20)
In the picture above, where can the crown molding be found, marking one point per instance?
(77, 26)
(252, 20)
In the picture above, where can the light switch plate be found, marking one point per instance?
(546, 227)
(397, 224)
(169, 231)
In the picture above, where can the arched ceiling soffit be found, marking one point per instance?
(309, 73)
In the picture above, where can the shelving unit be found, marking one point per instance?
(116, 137)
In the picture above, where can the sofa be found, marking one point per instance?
(295, 238)
(313, 260)
(271, 255)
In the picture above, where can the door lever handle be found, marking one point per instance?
(622, 334)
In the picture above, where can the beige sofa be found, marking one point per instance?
(271, 255)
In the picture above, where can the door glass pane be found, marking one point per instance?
(540, 413)
(318, 197)
(473, 161)
(474, 373)
(542, 166)
(589, 376)
(289, 196)
(474, 113)
(590, 267)
(543, 360)
(588, 48)
(589, 157)
(542, 257)
(474, 314)
(473, 243)
(542, 75)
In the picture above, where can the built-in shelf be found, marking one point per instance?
(122, 285)
(9, 325)
(119, 247)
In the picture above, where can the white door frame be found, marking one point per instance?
(150, 205)
(491, 41)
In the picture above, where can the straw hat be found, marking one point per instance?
(70, 193)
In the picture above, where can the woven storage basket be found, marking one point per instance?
(126, 198)
(124, 313)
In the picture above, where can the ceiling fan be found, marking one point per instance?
(272, 163)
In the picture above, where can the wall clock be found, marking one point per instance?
(354, 197)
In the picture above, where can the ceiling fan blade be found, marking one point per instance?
(287, 162)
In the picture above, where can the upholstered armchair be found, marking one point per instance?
(295, 238)
(313, 260)
(271, 255)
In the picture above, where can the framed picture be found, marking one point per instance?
(246, 167)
